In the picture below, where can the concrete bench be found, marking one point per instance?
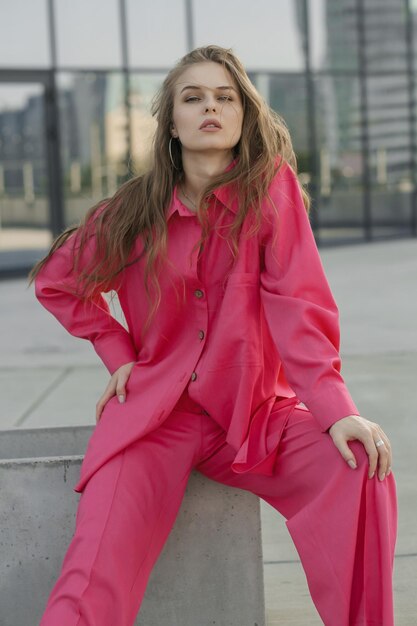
(209, 572)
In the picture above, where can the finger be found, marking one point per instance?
(383, 458)
(372, 453)
(389, 449)
(346, 452)
(109, 393)
(389, 460)
(121, 389)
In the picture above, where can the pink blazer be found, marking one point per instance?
(264, 337)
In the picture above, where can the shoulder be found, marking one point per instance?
(284, 175)
(283, 201)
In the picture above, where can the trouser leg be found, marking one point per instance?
(343, 524)
(124, 517)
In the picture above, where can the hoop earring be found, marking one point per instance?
(170, 153)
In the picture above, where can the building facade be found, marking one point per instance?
(75, 100)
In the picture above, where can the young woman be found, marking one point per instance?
(230, 365)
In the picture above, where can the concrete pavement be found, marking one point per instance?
(49, 378)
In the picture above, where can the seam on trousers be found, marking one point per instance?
(152, 537)
(101, 537)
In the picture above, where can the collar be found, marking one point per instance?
(223, 194)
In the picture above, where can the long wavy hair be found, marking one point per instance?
(138, 208)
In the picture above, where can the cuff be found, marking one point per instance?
(115, 349)
(332, 404)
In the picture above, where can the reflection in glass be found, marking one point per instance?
(385, 35)
(286, 94)
(143, 87)
(340, 156)
(97, 152)
(390, 151)
(94, 138)
(24, 207)
(413, 20)
(334, 34)
(105, 123)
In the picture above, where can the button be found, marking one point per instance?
(198, 293)
(201, 334)
(193, 376)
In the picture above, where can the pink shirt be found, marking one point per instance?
(266, 337)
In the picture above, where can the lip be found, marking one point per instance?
(210, 121)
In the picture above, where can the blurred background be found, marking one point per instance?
(77, 79)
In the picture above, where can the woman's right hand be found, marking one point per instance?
(116, 385)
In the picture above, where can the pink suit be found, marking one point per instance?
(242, 353)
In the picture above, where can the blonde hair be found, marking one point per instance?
(139, 206)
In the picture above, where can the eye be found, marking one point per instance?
(191, 99)
(225, 98)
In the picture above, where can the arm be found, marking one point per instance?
(299, 306)
(91, 319)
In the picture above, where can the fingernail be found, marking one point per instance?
(372, 475)
(389, 472)
(121, 399)
(381, 478)
(352, 464)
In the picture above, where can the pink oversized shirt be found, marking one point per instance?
(265, 337)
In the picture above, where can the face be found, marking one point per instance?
(207, 91)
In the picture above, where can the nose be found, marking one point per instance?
(211, 104)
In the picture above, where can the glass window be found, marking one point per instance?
(413, 18)
(156, 32)
(24, 199)
(142, 89)
(390, 151)
(94, 137)
(286, 94)
(24, 34)
(385, 36)
(265, 34)
(333, 34)
(340, 156)
(88, 33)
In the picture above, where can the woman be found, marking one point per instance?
(230, 365)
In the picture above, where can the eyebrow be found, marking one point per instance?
(197, 87)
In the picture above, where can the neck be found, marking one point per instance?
(200, 168)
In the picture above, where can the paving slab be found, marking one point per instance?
(71, 399)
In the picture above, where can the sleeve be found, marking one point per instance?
(88, 319)
(301, 312)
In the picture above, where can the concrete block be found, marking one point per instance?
(210, 570)
(65, 441)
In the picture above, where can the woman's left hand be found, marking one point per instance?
(357, 427)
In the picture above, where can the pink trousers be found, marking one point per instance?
(342, 523)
